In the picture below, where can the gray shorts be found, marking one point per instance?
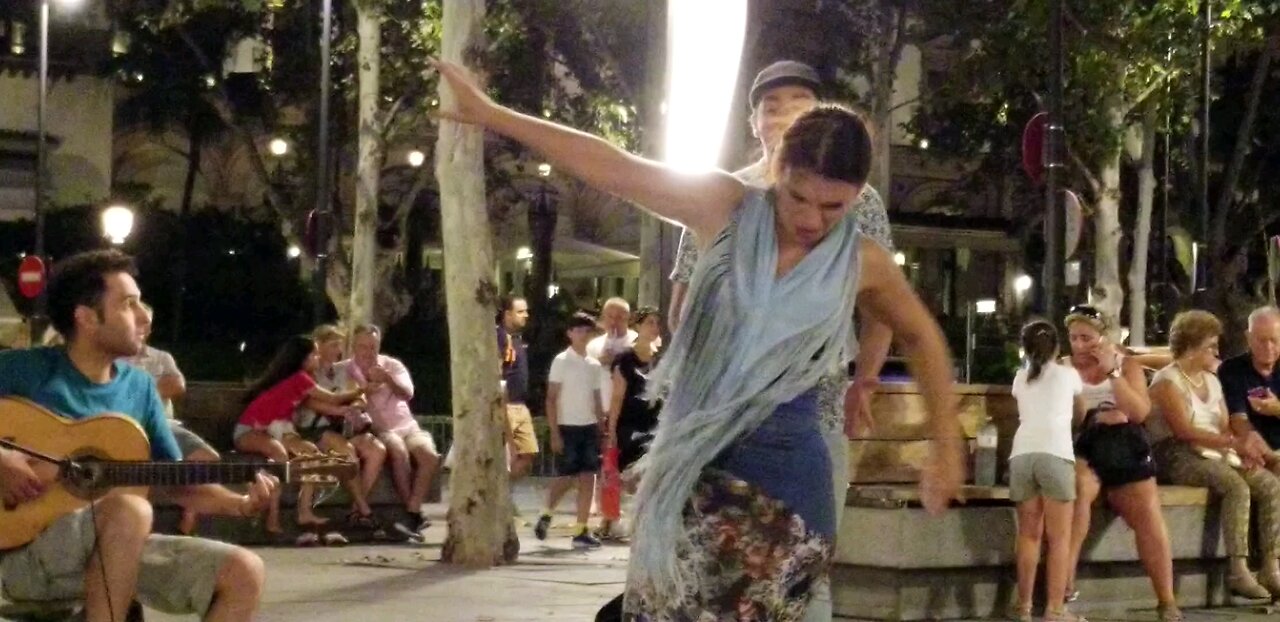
(178, 574)
(1041, 475)
(189, 442)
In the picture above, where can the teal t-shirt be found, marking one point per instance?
(47, 377)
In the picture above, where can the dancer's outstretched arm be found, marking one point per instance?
(701, 201)
(884, 293)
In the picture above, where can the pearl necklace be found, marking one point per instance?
(1188, 378)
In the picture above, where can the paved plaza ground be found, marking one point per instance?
(551, 581)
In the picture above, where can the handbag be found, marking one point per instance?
(1112, 447)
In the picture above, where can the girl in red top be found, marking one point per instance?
(266, 426)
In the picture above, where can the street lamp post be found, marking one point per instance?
(981, 307)
(41, 103)
(324, 203)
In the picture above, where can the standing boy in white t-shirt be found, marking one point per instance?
(1042, 476)
(574, 414)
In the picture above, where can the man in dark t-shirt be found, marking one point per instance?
(522, 444)
(1251, 382)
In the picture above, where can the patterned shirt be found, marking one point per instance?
(872, 219)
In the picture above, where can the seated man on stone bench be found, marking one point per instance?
(1250, 384)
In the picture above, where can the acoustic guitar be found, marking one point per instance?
(98, 455)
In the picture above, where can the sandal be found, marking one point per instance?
(1018, 613)
(1065, 615)
(356, 520)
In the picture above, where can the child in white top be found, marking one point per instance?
(1042, 467)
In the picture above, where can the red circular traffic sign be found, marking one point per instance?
(31, 276)
(1033, 146)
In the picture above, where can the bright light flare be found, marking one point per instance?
(117, 223)
(702, 71)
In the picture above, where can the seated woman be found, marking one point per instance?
(1115, 388)
(1194, 446)
(343, 429)
(266, 426)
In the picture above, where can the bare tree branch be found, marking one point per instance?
(1095, 186)
(1151, 89)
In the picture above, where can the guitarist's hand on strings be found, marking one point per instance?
(18, 483)
(259, 497)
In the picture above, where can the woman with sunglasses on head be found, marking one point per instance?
(1112, 452)
(735, 509)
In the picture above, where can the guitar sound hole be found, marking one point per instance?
(86, 480)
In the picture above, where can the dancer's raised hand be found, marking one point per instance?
(943, 476)
(470, 103)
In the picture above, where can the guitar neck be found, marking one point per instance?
(128, 473)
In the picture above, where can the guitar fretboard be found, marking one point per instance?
(182, 473)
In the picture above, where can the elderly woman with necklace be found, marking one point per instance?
(734, 516)
(1194, 446)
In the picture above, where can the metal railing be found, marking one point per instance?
(441, 429)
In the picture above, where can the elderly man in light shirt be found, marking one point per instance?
(410, 449)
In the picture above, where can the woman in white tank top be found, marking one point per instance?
(1116, 384)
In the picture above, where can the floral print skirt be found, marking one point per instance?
(756, 560)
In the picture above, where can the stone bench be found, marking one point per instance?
(894, 561)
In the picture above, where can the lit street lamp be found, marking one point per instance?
(416, 158)
(1022, 283)
(279, 147)
(117, 223)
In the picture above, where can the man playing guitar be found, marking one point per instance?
(105, 554)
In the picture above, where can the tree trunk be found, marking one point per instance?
(1108, 294)
(364, 237)
(1142, 231)
(892, 29)
(480, 530)
(652, 269)
(194, 140)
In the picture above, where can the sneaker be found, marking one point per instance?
(1072, 595)
(423, 523)
(540, 529)
(413, 526)
(585, 540)
(307, 538)
(334, 538)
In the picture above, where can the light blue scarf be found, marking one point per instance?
(749, 342)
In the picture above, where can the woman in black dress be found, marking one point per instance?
(631, 417)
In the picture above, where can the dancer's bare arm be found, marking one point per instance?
(702, 201)
(885, 294)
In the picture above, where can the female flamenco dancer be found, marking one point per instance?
(734, 514)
